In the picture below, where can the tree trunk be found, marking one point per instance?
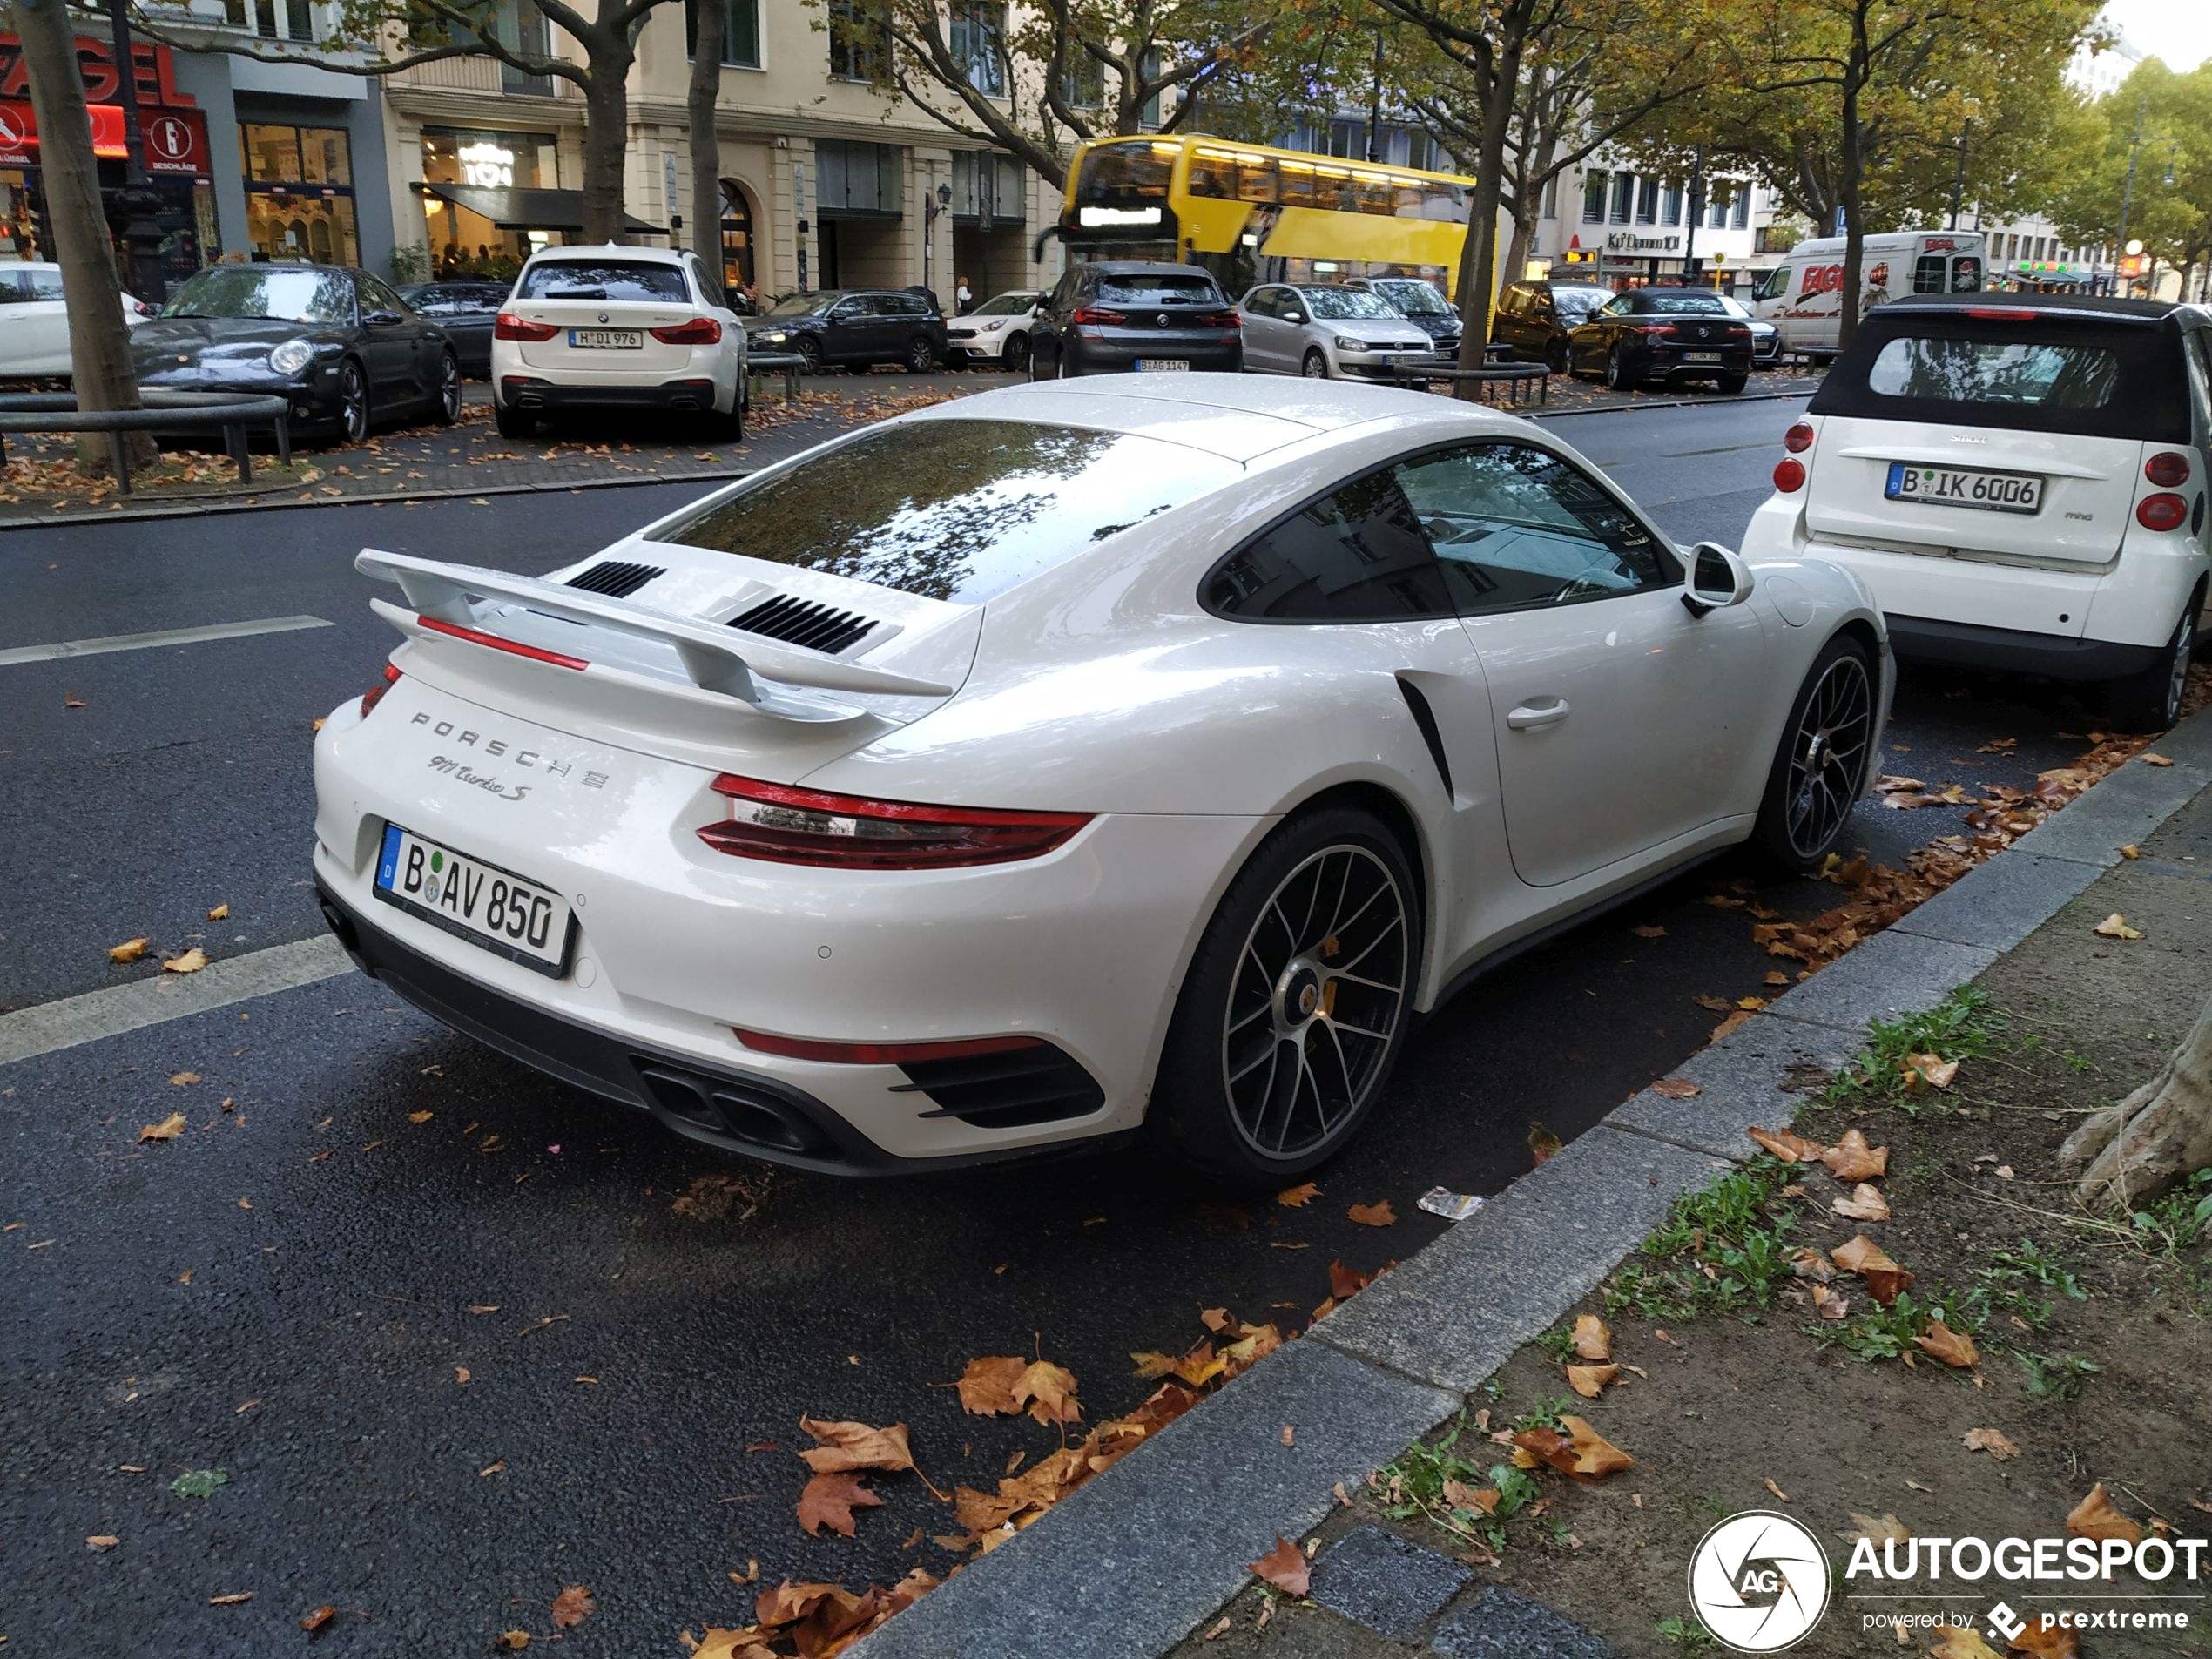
(1847, 194)
(606, 137)
(1477, 286)
(2158, 1136)
(99, 345)
(706, 146)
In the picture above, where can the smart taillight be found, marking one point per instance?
(788, 826)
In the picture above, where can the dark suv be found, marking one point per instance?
(1535, 318)
(1119, 315)
(854, 326)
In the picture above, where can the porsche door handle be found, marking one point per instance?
(1546, 711)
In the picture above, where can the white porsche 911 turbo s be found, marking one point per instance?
(1070, 760)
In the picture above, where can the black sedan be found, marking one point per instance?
(337, 342)
(1668, 335)
(465, 310)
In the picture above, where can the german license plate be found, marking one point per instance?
(1991, 492)
(1700, 357)
(607, 339)
(479, 902)
(1162, 365)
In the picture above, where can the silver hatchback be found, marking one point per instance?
(1325, 332)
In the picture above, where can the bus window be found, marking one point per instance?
(1256, 179)
(1297, 182)
(1120, 171)
(1372, 193)
(1332, 190)
(1213, 172)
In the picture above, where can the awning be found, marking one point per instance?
(530, 210)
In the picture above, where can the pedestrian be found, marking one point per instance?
(962, 298)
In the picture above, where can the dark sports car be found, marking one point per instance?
(337, 342)
(1669, 334)
(465, 309)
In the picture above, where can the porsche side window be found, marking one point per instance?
(1355, 556)
(1514, 526)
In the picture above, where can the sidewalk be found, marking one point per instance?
(1733, 1384)
(422, 461)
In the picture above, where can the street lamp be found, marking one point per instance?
(932, 205)
(2128, 194)
(139, 203)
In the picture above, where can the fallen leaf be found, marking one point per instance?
(2046, 1641)
(419, 1117)
(103, 1541)
(1298, 1197)
(191, 962)
(1994, 1441)
(1791, 1148)
(2116, 927)
(1851, 1159)
(1775, 977)
(855, 1445)
(2154, 760)
(1805, 1262)
(492, 1468)
(1778, 1491)
(1373, 1215)
(1958, 1642)
(1220, 1629)
(2131, 852)
(1940, 1342)
(1887, 1530)
(1865, 1203)
(1714, 1004)
(1676, 1088)
(231, 1599)
(167, 1129)
(1481, 1501)
(1927, 1071)
(314, 1622)
(1048, 1390)
(130, 950)
(1726, 1027)
(1590, 1381)
(987, 1387)
(571, 1606)
(1884, 1279)
(1542, 1143)
(1593, 1337)
(2097, 1516)
(1828, 1304)
(1648, 931)
(1574, 1448)
(828, 1500)
(1285, 1568)
(512, 1641)
(69, 699)
(221, 912)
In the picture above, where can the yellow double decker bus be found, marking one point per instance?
(1250, 214)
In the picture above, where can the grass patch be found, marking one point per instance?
(1964, 1026)
(1687, 1636)
(1724, 1249)
(1474, 1503)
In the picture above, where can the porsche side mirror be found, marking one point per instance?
(1718, 578)
(383, 319)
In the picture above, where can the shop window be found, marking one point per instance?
(987, 185)
(270, 153)
(740, 32)
(858, 176)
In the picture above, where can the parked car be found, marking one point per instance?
(2020, 479)
(752, 821)
(995, 331)
(465, 311)
(1326, 333)
(1669, 334)
(855, 327)
(1119, 315)
(34, 321)
(1535, 318)
(1422, 303)
(1766, 338)
(337, 342)
(1803, 296)
(616, 327)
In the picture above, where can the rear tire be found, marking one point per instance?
(1316, 366)
(1014, 357)
(921, 356)
(1261, 998)
(1731, 384)
(2150, 700)
(447, 409)
(1555, 357)
(1616, 370)
(727, 428)
(514, 423)
(1820, 768)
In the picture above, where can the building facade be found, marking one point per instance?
(1620, 228)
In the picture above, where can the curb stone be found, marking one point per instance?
(1145, 1554)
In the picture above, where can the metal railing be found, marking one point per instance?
(233, 413)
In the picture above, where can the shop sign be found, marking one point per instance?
(1628, 242)
(488, 167)
(153, 72)
(176, 140)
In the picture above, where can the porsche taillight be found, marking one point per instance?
(785, 824)
(375, 694)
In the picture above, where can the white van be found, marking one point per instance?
(1804, 296)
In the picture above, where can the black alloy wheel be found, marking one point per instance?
(353, 402)
(1821, 767)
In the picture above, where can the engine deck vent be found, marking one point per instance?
(617, 578)
(805, 622)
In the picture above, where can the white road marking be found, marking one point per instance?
(97, 1015)
(166, 637)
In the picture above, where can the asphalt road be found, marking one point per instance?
(290, 1291)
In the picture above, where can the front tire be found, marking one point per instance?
(1555, 357)
(1295, 1004)
(2150, 700)
(353, 402)
(812, 351)
(1732, 384)
(1821, 766)
(1316, 367)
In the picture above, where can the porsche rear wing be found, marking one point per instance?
(442, 597)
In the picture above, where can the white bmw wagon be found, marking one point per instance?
(1073, 760)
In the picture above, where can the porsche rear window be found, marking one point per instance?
(955, 508)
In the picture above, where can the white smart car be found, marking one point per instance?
(1073, 759)
(2020, 479)
(995, 331)
(615, 329)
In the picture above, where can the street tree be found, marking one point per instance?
(391, 36)
(2154, 1139)
(1067, 70)
(2169, 204)
(99, 345)
(709, 21)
